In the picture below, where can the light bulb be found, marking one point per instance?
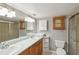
(28, 19)
(3, 11)
(11, 14)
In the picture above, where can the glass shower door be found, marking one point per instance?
(72, 37)
(77, 31)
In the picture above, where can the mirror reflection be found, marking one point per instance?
(14, 23)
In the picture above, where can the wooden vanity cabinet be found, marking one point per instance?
(35, 49)
(25, 52)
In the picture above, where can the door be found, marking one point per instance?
(72, 36)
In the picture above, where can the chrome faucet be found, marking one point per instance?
(3, 45)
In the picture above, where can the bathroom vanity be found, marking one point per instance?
(24, 46)
(35, 49)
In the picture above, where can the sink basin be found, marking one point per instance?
(36, 37)
(9, 51)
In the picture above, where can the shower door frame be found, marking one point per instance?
(69, 34)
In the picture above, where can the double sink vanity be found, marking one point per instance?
(24, 46)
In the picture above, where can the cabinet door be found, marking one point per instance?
(25, 52)
(28, 51)
(36, 49)
(39, 47)
(33, 50)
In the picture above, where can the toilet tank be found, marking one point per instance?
(59, 44)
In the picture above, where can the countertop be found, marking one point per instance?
(20, 46)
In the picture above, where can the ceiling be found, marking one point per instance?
(42, 10)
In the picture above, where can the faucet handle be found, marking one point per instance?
(3, 45)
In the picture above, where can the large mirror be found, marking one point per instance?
(14, 23)
(30, 26)
(8, 30)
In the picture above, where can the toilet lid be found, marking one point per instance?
(60, 51)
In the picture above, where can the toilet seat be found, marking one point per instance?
(60, 51)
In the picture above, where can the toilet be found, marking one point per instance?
(60, 45)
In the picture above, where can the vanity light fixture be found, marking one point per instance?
(28, 19)
(3, 11)
(11, 14)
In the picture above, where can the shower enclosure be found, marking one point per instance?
(73, 35)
